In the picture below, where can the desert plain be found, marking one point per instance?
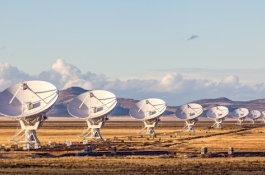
(184, 148)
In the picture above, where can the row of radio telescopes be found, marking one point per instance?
(28, 102)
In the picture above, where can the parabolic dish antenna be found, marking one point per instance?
(263, 116)
(28, 102)
(190, 113)
(241, 114)
(254, 115)
(93, 107)
(217, 113)
(149, 111)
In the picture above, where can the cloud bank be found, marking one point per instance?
(172, 87)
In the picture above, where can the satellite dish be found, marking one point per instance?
(28, 102)
(254, 115)
(217, 113)
(93, 107)
(149, 111)
(241, 114)
(263, 116)
(190, 113)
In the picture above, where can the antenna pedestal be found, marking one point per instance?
(218, 123)
(189, 125)
(27, 133)
(253, 121)
(93, 126)
(240, 121)
(149, 127)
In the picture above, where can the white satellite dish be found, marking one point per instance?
(190, 113)
(28, 102)
(217, 113)
(93, 107)
(241, 114)
(263, 116)
(254, 115)
(149, 111)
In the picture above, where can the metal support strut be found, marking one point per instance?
(93, 126)
(253, 121)
(218, 123)
(240, 121)
(149, 125)
(27, 133)
(189, 125)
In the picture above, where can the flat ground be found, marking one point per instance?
(169, 138)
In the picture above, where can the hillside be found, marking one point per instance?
(123, 105)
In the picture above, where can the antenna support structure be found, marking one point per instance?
(149, 126)
(148, 111)
(218, 114)
(189, 113)
(190, 125)
(27, 133)
(93, 107)
(28, 102)
(254, 115)
(93, 128)
(240, 121)
(218, 123)
(253, 121)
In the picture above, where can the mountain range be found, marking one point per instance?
(123, 105)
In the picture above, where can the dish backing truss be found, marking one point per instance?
(190, 113)
(28, 102)
(93, 107)
(217, 113)
(148, 111)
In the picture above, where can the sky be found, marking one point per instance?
(179, 51)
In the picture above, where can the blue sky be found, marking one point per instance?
(141, 40)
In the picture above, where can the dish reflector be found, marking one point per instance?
(148, 109)
(254, 114)
(217, 112)
(263, 114)
(240, 113)
(92, 104)
(27, 99)
(189, 111)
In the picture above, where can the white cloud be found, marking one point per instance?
(175, 88)
(10, 75)
(229, 82)
(247, 76)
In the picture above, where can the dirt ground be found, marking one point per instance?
(169, 137)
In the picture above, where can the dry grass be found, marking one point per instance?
(250, 139)
(132, 165)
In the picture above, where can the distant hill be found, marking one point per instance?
(232, 105)
(123, 105)
(59, 109)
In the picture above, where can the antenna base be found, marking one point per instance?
(253, 122)
(93, 126)
(240, 121)
(149, 126)
(27, 133)
(218, 123)
(189, 125)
